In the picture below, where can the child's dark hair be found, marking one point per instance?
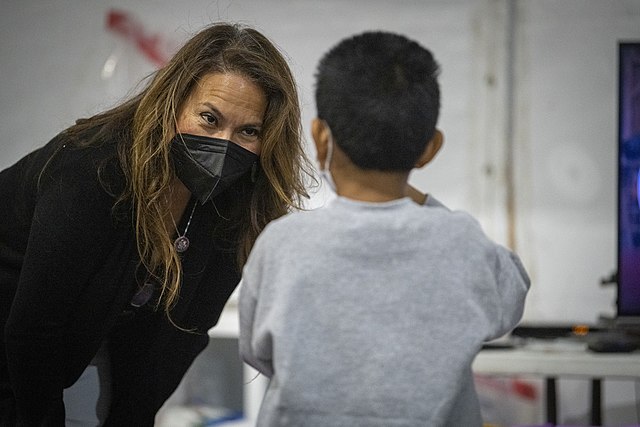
(378, 92)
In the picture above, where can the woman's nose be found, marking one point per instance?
(224, 134)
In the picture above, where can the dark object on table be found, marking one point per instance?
(612, 342)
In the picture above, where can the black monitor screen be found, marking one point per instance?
(629, 180)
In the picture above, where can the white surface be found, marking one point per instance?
(254, 384)
(557, 359)
(227, 326)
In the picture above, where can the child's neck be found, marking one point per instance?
(371, 186)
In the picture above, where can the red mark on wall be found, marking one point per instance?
(150, 45)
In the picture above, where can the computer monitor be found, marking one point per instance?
(628, 277)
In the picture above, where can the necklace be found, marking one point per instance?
(182, 241)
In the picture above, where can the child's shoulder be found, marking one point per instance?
(454, 221)
(293, 221)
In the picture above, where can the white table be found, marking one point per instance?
(557, 358)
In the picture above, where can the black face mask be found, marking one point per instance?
(207, 166)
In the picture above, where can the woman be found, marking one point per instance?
(124, 236)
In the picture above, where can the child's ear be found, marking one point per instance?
(432, 148)
(320, 135)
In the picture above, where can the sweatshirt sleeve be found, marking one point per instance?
(507, 281)
(512, 282)
(67, 239)
(255, 343)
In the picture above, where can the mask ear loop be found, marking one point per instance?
(325, 170)
(327, 160)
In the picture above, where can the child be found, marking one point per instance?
(370, 310)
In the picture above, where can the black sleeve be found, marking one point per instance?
(69, 236)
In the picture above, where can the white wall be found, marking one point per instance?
(53, 54)
(563, 114)
(566, 136)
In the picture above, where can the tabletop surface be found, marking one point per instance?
(557, 357)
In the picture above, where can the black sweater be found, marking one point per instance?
(68, 270)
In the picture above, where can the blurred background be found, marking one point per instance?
(529, 105)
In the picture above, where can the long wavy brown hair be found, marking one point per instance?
(146, 124)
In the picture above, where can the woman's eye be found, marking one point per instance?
(209, 118)
(251, 132)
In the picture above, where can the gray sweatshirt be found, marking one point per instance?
(370, 314)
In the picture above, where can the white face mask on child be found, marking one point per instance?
(325, 171)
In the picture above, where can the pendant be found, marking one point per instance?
(181, 244)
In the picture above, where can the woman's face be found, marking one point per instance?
(226, 106)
